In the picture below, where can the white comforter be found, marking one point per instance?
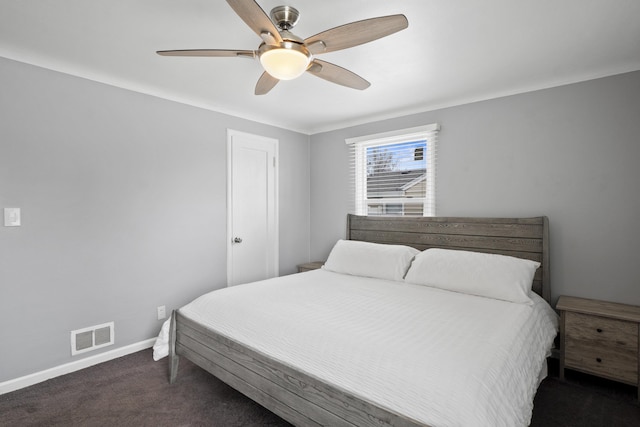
(439, 357)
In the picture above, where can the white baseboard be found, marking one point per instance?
(67, 368)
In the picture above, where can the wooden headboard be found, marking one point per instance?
(519, 237)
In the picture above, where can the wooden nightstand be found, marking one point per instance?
(310, 266)
(600, 338)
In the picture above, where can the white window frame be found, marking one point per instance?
(359, 146)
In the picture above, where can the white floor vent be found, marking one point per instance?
(91, 338)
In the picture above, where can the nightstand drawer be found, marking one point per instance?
(602, 346)
(601, 330)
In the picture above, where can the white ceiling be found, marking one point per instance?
(454, 52)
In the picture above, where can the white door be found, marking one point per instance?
(252, 225)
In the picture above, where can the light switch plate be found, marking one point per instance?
(11, 217)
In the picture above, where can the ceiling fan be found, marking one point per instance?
(285, 56)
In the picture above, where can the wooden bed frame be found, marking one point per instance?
(307, 401)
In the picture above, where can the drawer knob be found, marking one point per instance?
(599, 330)
(598, 360)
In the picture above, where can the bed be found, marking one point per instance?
(360, 345)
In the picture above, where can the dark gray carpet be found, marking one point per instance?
(133, 391)
(584, 401)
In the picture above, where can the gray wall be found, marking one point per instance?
(123, 200)
(571, 153)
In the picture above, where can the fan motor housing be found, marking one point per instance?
(285, 17)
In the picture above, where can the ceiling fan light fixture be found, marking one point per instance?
(285, 62)
(285, 56)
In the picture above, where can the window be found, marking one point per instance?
(394, 173)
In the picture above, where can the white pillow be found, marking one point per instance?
(487, 275)
(370, 259)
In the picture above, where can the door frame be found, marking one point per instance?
(231, 133)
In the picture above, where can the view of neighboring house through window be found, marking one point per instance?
(394, 173)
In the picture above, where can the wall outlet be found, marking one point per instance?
(162, 312)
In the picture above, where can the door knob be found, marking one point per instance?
(237, 240)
